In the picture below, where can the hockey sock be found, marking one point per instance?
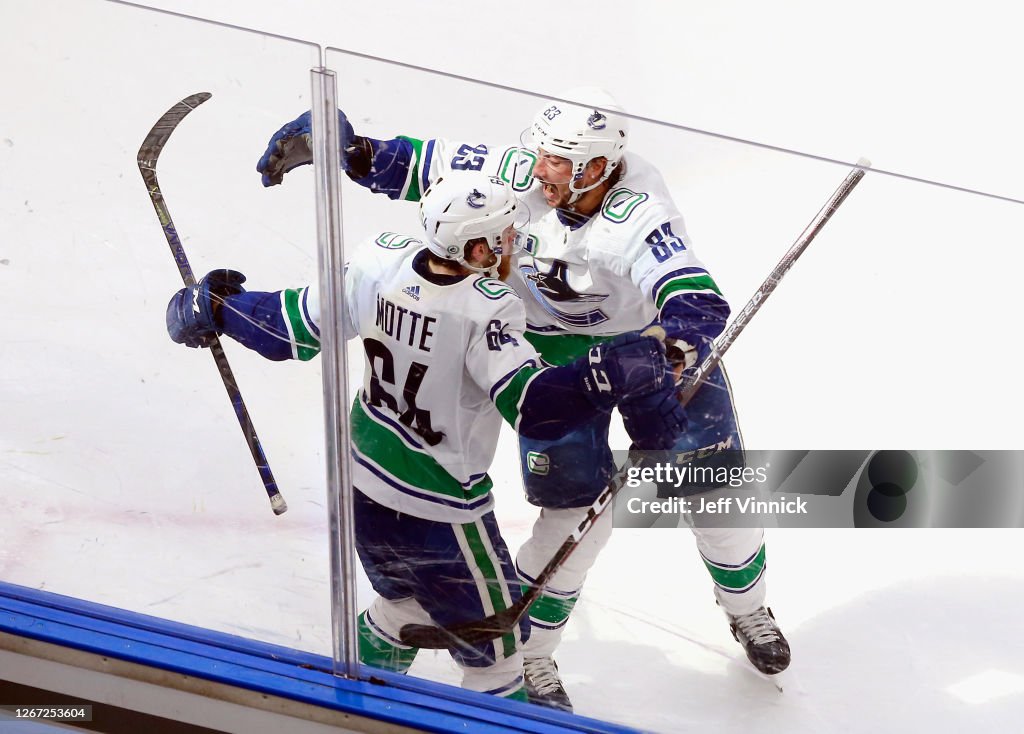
(732, 580)
(551, 610)
(382, 651)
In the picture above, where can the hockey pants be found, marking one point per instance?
(564, 477)
(429, 572)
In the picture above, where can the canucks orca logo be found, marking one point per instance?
(553, 286)
(476, 199)
(597, 121)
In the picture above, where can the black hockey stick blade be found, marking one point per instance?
(468, 634)
(432, 637)
(149, 154)
(154, 143)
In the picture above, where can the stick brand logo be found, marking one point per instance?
(413, 291)
(753, 303)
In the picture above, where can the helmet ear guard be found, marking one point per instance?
(464, 206)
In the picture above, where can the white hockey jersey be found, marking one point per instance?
(443, 365)
(579, 285)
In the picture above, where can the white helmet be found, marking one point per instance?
(463, 206)
(581, 132)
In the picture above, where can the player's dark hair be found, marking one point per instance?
(438, 260)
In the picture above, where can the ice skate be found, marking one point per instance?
(763, 641)
(543, 684)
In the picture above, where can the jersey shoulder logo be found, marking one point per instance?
(621, 203)
(493, 289)
(516, 168)
(394, 241)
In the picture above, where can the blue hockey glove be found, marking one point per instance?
(654, 422)
(292, 146)
(191, 313)
(628, 366)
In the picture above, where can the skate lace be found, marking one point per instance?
(758, 627)
(543, 674)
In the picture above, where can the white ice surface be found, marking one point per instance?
(124, 477)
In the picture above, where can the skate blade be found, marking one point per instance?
(786, 681)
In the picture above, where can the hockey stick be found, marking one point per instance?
(147, 158)
(496, 625)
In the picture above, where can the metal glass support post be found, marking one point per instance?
(327, 165)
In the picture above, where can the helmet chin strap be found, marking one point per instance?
(489, 270)
(576, 193)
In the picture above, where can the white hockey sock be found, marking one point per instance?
(379, 627)
(735, 558)
(551, 611)
(504, 678)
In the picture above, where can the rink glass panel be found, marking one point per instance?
(126, 478)
(847, 351)
(124, 474)
(891, 331)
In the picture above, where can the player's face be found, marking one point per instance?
(479, 255)
(553, 172)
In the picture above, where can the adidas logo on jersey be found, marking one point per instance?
(413, 291)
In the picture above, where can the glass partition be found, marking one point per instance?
(892, 331)
(127, 481)
(125, 477)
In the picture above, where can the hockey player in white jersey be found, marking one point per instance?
(445, 361)
(611, 255)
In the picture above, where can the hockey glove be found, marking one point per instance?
(292, 146)
(627, 366)
(654, 422)
(191, 313)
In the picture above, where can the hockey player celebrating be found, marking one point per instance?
(610, 256)
(445, 361)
